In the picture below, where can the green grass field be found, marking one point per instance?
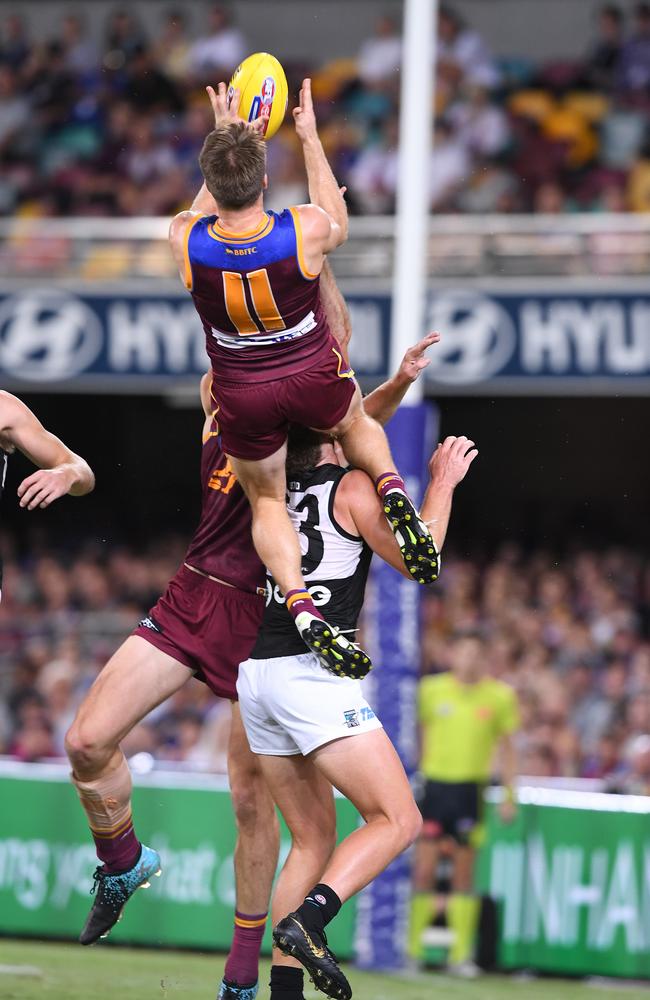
(69, 972)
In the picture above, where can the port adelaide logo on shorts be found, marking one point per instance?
(351, 718)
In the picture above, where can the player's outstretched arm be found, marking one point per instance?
(448, 467)
(324, 191)
(383, 401)
(61, 471)
(358, 508)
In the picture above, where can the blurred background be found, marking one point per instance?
(537, 260)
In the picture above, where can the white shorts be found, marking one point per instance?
(291, 705)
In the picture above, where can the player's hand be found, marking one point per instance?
(226, 111)
(43, 487)
(303, 115)
(507, 811)
(414, 361)
(451, 460)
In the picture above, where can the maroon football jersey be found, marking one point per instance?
(259, 306)
(222, 545)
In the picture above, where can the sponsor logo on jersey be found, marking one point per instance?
(150, 623)
(241, 252)
(319, 594)
(351, 718)
(222, 480)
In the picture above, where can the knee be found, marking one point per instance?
(316, 840)
(408, 827)
(252, 803)
(82, 746)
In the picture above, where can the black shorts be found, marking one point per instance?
(452, 809)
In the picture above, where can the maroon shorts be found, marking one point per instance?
(205, 625)
(254, 417)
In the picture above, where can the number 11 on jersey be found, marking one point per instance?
(267, 317)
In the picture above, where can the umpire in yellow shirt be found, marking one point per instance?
(465, 716)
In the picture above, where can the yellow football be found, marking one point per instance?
(264, 93)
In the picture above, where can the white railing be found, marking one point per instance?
(460, 246)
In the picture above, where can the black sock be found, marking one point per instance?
(286, 983)
(320, 906)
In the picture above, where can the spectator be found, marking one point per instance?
(221, 50)
(591, 713)
(173, 47)
(14, 43)
(14, 107)
(123, 37)
(380, 56)
(479, 123)
(81, 55)
(634, 61)
(605, 762)
(549, 199)
(373, 177)
(603, 59)
(450, 166)
(149, 89)
(635, 779)
(463, 56)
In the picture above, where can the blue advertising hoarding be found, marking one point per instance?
(495, 340)
(54, 338)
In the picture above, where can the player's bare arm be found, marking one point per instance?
(359, 510)
(61, 471)
(325, 220)
(448, 467)
(336, 310)
(383, 402)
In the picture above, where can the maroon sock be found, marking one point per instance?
(298, 601)
(120, 851)
(389, 481)
(243, 960)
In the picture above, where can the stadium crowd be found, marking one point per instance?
(115, 129)
(572, 636)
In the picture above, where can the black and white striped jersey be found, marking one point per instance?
(335, 565)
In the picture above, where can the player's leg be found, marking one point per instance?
(366, 447)
(136, 679)
(463, 913)
(256, 861)
(304, 797)
(367, 770)
(264, 481)
(276, 542)
(425, 864)
(466, 829)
